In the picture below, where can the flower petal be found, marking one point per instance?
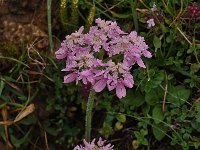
(61, 53)
(86, 73)
(140, 63)
(70, 77)
(78, 148)
(120, 91)
(111, 84)
(84, 80)
(100, 85)
(128, 81)
(99, 73)
(100, 142)
(147, 54)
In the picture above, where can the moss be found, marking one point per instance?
(7, 50)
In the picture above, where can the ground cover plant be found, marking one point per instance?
(160, 110)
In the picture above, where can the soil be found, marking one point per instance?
(26, 21)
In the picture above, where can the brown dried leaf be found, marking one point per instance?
(4, 113)
(28, 110)
(13, 86)
(7, 123)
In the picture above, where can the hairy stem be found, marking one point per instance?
(88, 120)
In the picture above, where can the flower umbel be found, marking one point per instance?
(100, 145)
(193, 10)
(103, 57)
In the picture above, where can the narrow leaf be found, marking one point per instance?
(156, 42)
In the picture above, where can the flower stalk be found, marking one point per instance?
(88, 119)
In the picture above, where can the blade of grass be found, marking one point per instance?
(179, 14)
(141, 1)
(2, 84)
(134, 14)
(167, 8)
(52, 61)
(195, 51)
(13, 59)
(49, 2)
(102, 11)
(29, 94)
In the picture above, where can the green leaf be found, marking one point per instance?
(178, 95)
(155, 80)
(5, 98)
(196, 125)
(195, 67)
(157, 114)
(154, 96)
(138, 100)
(18, 142)
(169, 38)
(121, 118)
(191, 49)
(2, 132)
(101, 54)
(51, 131)
(145, 109)
(71, 131)
(164, 28)
(106, 130)
(141, 138)
(15, 141)
(133, 99)
(151, 97)
(156, 42)
(121, 16)
(30, 120)
(2, 84)
(2, 105)
(159, 131)
(197, 108)
(22, 97)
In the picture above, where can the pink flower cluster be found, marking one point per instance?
(193, 10)
(103, 56)
(92, 146)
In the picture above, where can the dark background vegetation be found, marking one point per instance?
(161, 112)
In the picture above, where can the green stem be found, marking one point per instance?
(49, 24)
(89, 115)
